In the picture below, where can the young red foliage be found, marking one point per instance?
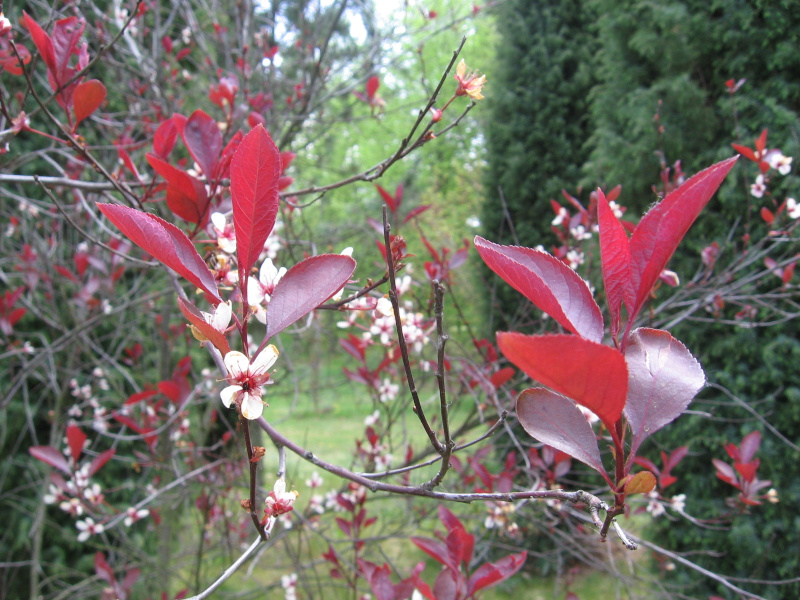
(255, 169)
(547, 282)
(593, 375)
(165, 243)
(87, 97)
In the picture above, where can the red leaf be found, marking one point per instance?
(255, 170)
(103, 570)
(558, 422)
(51, 456)
(661, 230)
(398, 195)
(725, 472)
(75, 439)
(304, 287)
(616, 260)
(345, 526)
(379, 579)
(593, 375)
(186, 196)
(502, 376)
(747, 470)
(139, 396)
(87, 97)
(767, 216)
(663, 379)
(416, 212)
(749, 446)
(387, 198)
(170, 389)
(675, 457)
(547, 282)
(42, 42)
(491, 574)
(100, 460)
(65, 37)
(204, 141)
(164, 138)
(435, 550)
(165, 242)
(745, 151)
(373, 83)
(195, 317)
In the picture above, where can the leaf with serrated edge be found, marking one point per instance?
(661, 230)
(547, 282)
(255, 170)
(557, 421)
(304, 287)
(616, 262)
(165, 243)
(592, 374)
(663, 378)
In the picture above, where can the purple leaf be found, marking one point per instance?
(51, 456)
(164, 242)
(663, 378)
(204, 141)
(436, 550)
(547, 282)
(445, 587)
(490, 574)
(304, 287)
(558, 422)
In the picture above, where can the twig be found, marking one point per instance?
(441, 340)
(253, 475)
(401, 339)
(490, 432)
(699, 569)
(578, 497)
(229, 571)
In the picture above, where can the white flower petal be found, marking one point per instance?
(252, 407)
(267, 273)
(236, 363)
(229, 394)
(218, 220)
(265, 360)
(255, 292)
(222, 316)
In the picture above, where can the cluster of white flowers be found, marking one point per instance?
(656, 507)
(501, 517)
(289, 585)
(776, 160)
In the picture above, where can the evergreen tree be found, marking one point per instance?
(539, 116)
